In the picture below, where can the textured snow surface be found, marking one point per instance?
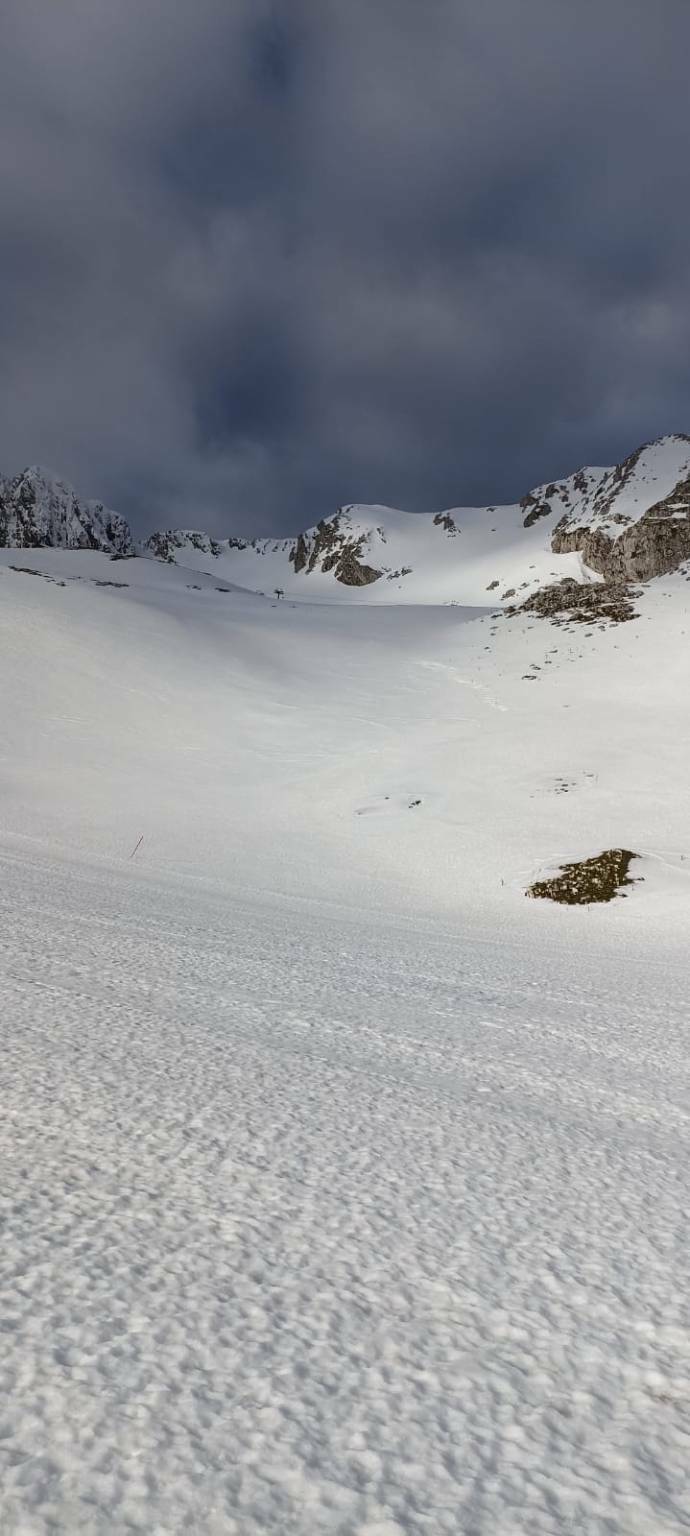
(331, 1226)
(343, 1190)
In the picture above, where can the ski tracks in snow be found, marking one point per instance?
(481, 689)
(312, 1228)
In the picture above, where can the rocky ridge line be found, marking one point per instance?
(39, 511)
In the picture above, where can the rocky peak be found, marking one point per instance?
(562, 497)
(37, 510)
(637, 523)
(167, 544)
(334, 545)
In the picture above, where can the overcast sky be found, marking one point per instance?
(260, 257)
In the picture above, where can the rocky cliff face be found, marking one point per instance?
(659, 542)
(169, 542)
(39, 511)
(637, 524)
(332, 546)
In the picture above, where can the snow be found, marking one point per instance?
(344, 1189)
(490, 553)
(660, 467)
(455, 556)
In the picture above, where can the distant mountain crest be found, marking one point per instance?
(630, 522)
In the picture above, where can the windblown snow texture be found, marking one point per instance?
(344, 1188)
(320, 1224)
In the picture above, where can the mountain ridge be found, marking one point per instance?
(39, 510)
(628, 522)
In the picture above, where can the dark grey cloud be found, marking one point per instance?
(257, 258)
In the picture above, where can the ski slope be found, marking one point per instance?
(486, 552)
(344, 1189)
(465, 553)
(280, 745)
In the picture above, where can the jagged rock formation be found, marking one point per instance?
(37, 510)
(167, 544)
(628, 523)
(629, 533)
(570, 497)
(332, 548)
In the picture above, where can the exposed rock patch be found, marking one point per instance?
(589, 880)
(29, 570)
(534, 508)
(581, 602)
(331, 548)
(167, 543)
(654, 545)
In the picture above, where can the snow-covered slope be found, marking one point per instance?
(38, 510)
(343, 1188)
(284, 743)
(655, 474)
(374, 554)
(629, 522)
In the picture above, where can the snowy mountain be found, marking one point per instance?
(38, 510)
(631, 522)
(422, 751)
(627, 523)
(636, 524)
(344, 1189)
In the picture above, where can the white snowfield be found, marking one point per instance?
(344, 1190)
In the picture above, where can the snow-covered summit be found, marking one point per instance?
(39, 510)
(637, 523)
(653, 475)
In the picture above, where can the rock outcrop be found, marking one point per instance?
(658, 543)
(581, 602)
(168, 542)
(627, 533)
(330, 547)
(598, 879)
(37, 510)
